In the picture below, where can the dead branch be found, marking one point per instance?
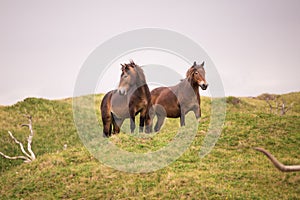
(283, 108)
(30, 156)
(29, 140)
(279, 107)
(15, 157)
(277, 164)
(271, 107)
(19, 143)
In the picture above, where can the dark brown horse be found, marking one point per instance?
(176, 101)
(131, 97)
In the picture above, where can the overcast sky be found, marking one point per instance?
(254, 44)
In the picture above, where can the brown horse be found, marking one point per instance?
(131, 97)
(176, 101)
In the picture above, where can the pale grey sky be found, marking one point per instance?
(254, 44)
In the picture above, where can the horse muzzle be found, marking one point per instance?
(122, 91)
(203, 86)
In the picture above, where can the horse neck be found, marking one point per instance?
(138, 88)
(186, 84)
(140, 81)
(194, 85)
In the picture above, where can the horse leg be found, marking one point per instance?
(161, 114)
(197, 112)
(145, 120)
(143, 116)
(132, 124)
(148, 124)
(132, 120)
(117, 123)
(159, 123)
(142, 122)
(107, 126)
(149, 119)
(182, 119)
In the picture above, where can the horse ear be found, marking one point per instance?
(124, 67)
(131, 64)
(194, 65)
(202, 65)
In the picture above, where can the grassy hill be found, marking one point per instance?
(233, 170)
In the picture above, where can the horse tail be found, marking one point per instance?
(106, 116)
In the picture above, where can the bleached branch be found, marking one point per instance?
(277, 164)
(29, 140)
(19, 143)
(26, 159)
(28, 156)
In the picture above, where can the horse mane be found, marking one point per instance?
(189, 73)
(191, 70)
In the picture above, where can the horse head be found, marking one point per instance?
(196, 76)
(132, 77)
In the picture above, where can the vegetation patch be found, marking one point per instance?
(64, 169)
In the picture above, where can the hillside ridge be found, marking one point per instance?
(65, 169)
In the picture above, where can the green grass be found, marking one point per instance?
(233, 170)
